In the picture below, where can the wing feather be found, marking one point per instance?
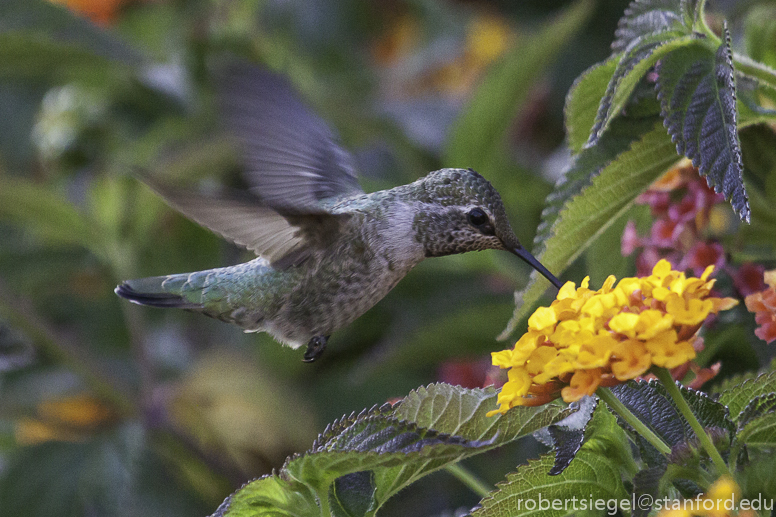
(293, 158)
(244, 221)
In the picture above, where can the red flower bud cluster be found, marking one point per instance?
(681, 205)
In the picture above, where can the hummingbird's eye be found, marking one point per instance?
(477, 217)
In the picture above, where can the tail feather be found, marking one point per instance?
(232, 294)
(150, 291)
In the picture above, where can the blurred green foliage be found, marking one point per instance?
(112, 409)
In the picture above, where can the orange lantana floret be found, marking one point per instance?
(763, 304)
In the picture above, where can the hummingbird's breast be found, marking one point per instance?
(375, 250)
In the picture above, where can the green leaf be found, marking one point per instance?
(353, 495)
(647, 17)
(759, 432)
(360, 461)
(602, 183)
(376, 431)
(532, 491)
(647, 32)
(759, 406)
(478, 133)
(582, 102)
(646, 482)
(650, 402)
(739, 397)
(631, 69)
(270, 496)
(462, 412)
(696, 87)
(592, 425)
(47, 214)
(568, 435)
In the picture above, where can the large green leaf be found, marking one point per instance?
(479, 131)
(532, 491)
(635, 62)
(603, 181)
(462, 412)
(583, 100)
(647, 31)
(696, 87)
(362, 460)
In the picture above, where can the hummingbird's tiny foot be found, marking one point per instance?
(315, 348)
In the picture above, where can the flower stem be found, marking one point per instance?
(673, 391)
(618, 407)
(468, 478)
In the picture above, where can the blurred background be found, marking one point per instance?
(112, 409)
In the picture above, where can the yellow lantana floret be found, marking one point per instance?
(720, 500)
(586, 339)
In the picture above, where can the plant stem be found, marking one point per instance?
(673, 390)
(468, 478)
(749, 66)
(618, 407)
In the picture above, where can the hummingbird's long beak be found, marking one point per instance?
(531, 260)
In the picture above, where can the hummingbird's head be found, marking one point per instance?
(461, 211)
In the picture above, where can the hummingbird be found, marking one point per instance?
(326, 250)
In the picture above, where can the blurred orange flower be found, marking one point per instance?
(102, 12)
(763, 304)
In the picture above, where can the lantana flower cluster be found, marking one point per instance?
(763, 304)
(586, 339)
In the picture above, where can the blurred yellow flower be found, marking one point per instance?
(586, 339)
(67, 419)
(720, 500)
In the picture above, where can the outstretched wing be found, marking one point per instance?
(244, 220)
(293, 160)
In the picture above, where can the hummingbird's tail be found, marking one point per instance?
(160, 291)
(236, 294)
(150, 291)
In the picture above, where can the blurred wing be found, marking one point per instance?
(292, 157)
(248, 223)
